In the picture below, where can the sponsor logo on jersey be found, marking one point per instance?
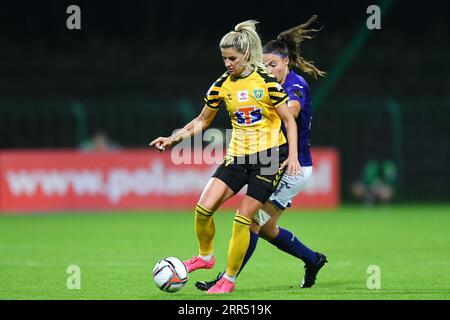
(248, 115)
(242, 96)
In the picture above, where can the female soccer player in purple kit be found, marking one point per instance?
(280, 57)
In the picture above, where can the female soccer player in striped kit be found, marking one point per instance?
(281, 56)
(256, 103)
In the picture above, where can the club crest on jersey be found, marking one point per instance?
(242, 96)
(248, 116)
(258, 93)
(298, 93)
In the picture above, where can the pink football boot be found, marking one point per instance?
(198, 263)
(222, 286)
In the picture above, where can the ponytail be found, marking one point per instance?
(288, 44)
(244, 39)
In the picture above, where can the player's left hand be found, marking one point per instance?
(293, 167)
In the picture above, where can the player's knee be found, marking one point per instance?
(268, 232)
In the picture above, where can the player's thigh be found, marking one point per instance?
(227, 180)
(214, 194)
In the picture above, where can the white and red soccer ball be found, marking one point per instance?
(170, 274)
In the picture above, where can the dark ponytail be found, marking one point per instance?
(288, 43)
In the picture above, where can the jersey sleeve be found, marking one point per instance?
(277, 94)
(213, 98)
(298, 93)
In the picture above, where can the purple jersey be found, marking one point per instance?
(298, 89)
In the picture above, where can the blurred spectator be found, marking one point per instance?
(99, 142)
(377, 182)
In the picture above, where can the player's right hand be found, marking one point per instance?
(161, 143)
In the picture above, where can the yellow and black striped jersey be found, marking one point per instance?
(251, 103)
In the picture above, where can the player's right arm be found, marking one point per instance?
(294, 108)
(197, 125)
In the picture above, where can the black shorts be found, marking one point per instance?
(260, 171)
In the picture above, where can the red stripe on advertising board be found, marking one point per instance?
(48, 181)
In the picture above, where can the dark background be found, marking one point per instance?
(139, 69)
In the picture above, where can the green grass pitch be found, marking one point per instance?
(116, 253)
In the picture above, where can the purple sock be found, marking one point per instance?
(288, 242)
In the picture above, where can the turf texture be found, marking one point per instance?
(116, 253)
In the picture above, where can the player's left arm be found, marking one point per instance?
(294, 167)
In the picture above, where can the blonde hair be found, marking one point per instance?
(244, 39)
(288, 44)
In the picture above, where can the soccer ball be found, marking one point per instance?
(170, 274)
